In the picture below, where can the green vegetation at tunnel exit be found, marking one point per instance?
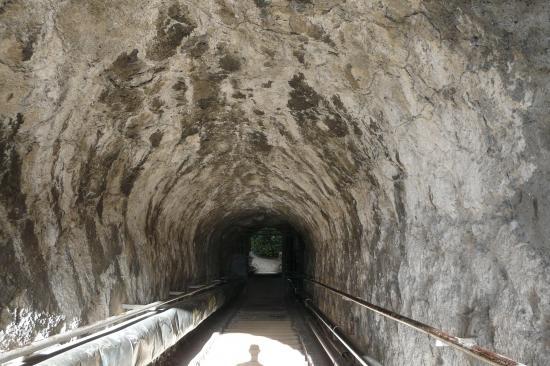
(267, 242)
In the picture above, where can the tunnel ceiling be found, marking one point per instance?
(408, 139)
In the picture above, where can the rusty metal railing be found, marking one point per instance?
(325, 322)
(482, 354)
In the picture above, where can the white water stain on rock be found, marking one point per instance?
(25, 326)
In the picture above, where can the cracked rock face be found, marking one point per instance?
(407, 141)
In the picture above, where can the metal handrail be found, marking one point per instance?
(101, 325)
(332, 329)
(485, 355)
(324, 345)
(335, 333)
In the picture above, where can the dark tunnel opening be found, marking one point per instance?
(230, 245)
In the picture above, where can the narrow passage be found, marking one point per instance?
(265, 327)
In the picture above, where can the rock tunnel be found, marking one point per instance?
(402, 146)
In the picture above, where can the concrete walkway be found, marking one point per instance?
(263, 265)
(261, 333)
(264, 328)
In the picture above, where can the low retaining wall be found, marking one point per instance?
(143, 342)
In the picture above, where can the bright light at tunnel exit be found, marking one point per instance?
(246, 349)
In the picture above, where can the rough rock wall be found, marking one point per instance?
(409, 140)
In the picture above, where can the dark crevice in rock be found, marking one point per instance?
(173, 25)
(10, 168)
(30, 247)
(303, 99)
(130, 176)
(230, 63)
(156, 138)
(196, 47)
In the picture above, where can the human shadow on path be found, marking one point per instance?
(254, 352)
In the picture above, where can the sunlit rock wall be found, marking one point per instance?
(408, 140)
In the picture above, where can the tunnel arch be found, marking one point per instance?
(407, 141)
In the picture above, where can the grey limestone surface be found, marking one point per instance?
(408, 141)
